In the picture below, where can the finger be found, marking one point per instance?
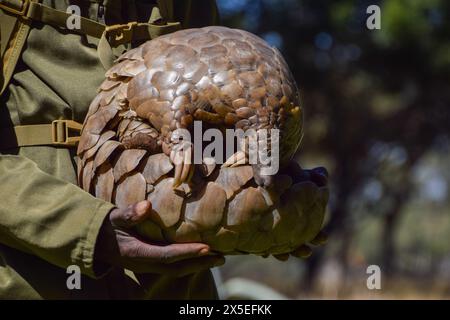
(171, 253)
(302, 252)
(132, 215)
(282, 183)
(320, 239)
(282, 256)
(319, 176)
(321, 170)
(183, 268)
(297, 174)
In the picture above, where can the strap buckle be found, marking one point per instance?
(8, 6)
(120, 33)
(63, 130)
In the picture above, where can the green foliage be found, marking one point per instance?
(406, 21)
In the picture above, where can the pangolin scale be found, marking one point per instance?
(226, 78)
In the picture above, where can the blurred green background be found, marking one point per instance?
(377, 115)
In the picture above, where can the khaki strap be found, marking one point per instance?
(17, 33)
(63, 133)
(18, 7)
(116, 35)
(57, 18)
(48, 15)
(140, 31)
(26, 11)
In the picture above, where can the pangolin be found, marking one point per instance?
(225, 78)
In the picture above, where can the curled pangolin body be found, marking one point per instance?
(225, 78)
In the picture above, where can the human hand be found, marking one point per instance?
(119, 246)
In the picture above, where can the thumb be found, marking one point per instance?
(132, 215)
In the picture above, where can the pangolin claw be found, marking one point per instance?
(237, 159)
(182, 158)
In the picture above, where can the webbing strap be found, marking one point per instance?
(57, 18)
(48, 15)
(110, 36)
(16, 37)
(116, 35)
(26, 11)
(17, 7)
(63, 133)
(39, 134)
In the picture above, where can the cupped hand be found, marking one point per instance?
(119, 246)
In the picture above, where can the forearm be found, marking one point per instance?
(47, 217)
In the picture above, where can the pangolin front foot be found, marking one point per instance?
(237, 159)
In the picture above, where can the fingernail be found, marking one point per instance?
(142, 207)
(203, 252)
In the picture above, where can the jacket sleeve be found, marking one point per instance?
(47, 217)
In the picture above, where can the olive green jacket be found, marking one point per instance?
(47, 223)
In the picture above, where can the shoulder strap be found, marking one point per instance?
(21, 13)
(14, 33)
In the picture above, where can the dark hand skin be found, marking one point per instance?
(119, 246)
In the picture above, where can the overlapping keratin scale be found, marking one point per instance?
(214, 74)
(221, 76)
